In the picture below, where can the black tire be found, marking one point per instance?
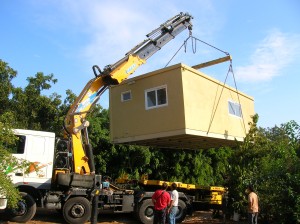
(182, 209)
(25, 211)
(77, 210)
(146, 211)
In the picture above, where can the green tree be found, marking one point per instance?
(188, 166)
(7, 161)
(279, 178)
(6, 76)
(34, 110)
(268, 160)
(220, 163)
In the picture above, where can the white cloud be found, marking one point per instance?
(274, 53)
(113, 26)
(109, 29)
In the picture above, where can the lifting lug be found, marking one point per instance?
(97, 74)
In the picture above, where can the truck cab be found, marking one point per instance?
(37, 147)
(38, 182)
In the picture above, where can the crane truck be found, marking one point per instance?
(62, 175)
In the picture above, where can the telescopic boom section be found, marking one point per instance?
(75, 122)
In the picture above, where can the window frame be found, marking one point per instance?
(155, 89)
(18, 147)
(123, 93)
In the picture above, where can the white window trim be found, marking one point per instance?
(122, 94)
(155, 89)
(236, 103)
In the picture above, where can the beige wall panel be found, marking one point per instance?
(206, 105)
(131, 118)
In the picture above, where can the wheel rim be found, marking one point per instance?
(77, 211)
(149, 212)
(21, 210)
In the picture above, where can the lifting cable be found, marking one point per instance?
(230, 70)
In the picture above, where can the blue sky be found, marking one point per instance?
(67, 37)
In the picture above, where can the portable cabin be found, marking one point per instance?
(178, 107)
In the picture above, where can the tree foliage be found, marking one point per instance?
(34, 110)
(268, 160)
(7, 160)
(6, 76)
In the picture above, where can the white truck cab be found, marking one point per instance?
(37, 147)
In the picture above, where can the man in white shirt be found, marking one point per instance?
(173, 208)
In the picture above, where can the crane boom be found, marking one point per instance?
(75, 123)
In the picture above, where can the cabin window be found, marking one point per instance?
(125, 96)
(234, 109)
(156, 97)
(18, 147)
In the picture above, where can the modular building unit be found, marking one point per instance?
(178, 107)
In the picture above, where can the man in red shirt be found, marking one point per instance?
(161, 199)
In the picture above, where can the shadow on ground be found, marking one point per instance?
(45, 216)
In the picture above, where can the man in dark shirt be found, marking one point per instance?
(161, 200)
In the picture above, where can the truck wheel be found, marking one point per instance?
(182, 209)
(25, 211)
(77, 210)
(146, 211)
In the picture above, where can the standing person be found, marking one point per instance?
(105, 183)
(161, 200)
(107, 190)
(173, 209)
(252, 205)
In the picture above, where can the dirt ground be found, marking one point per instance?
(52, 217)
